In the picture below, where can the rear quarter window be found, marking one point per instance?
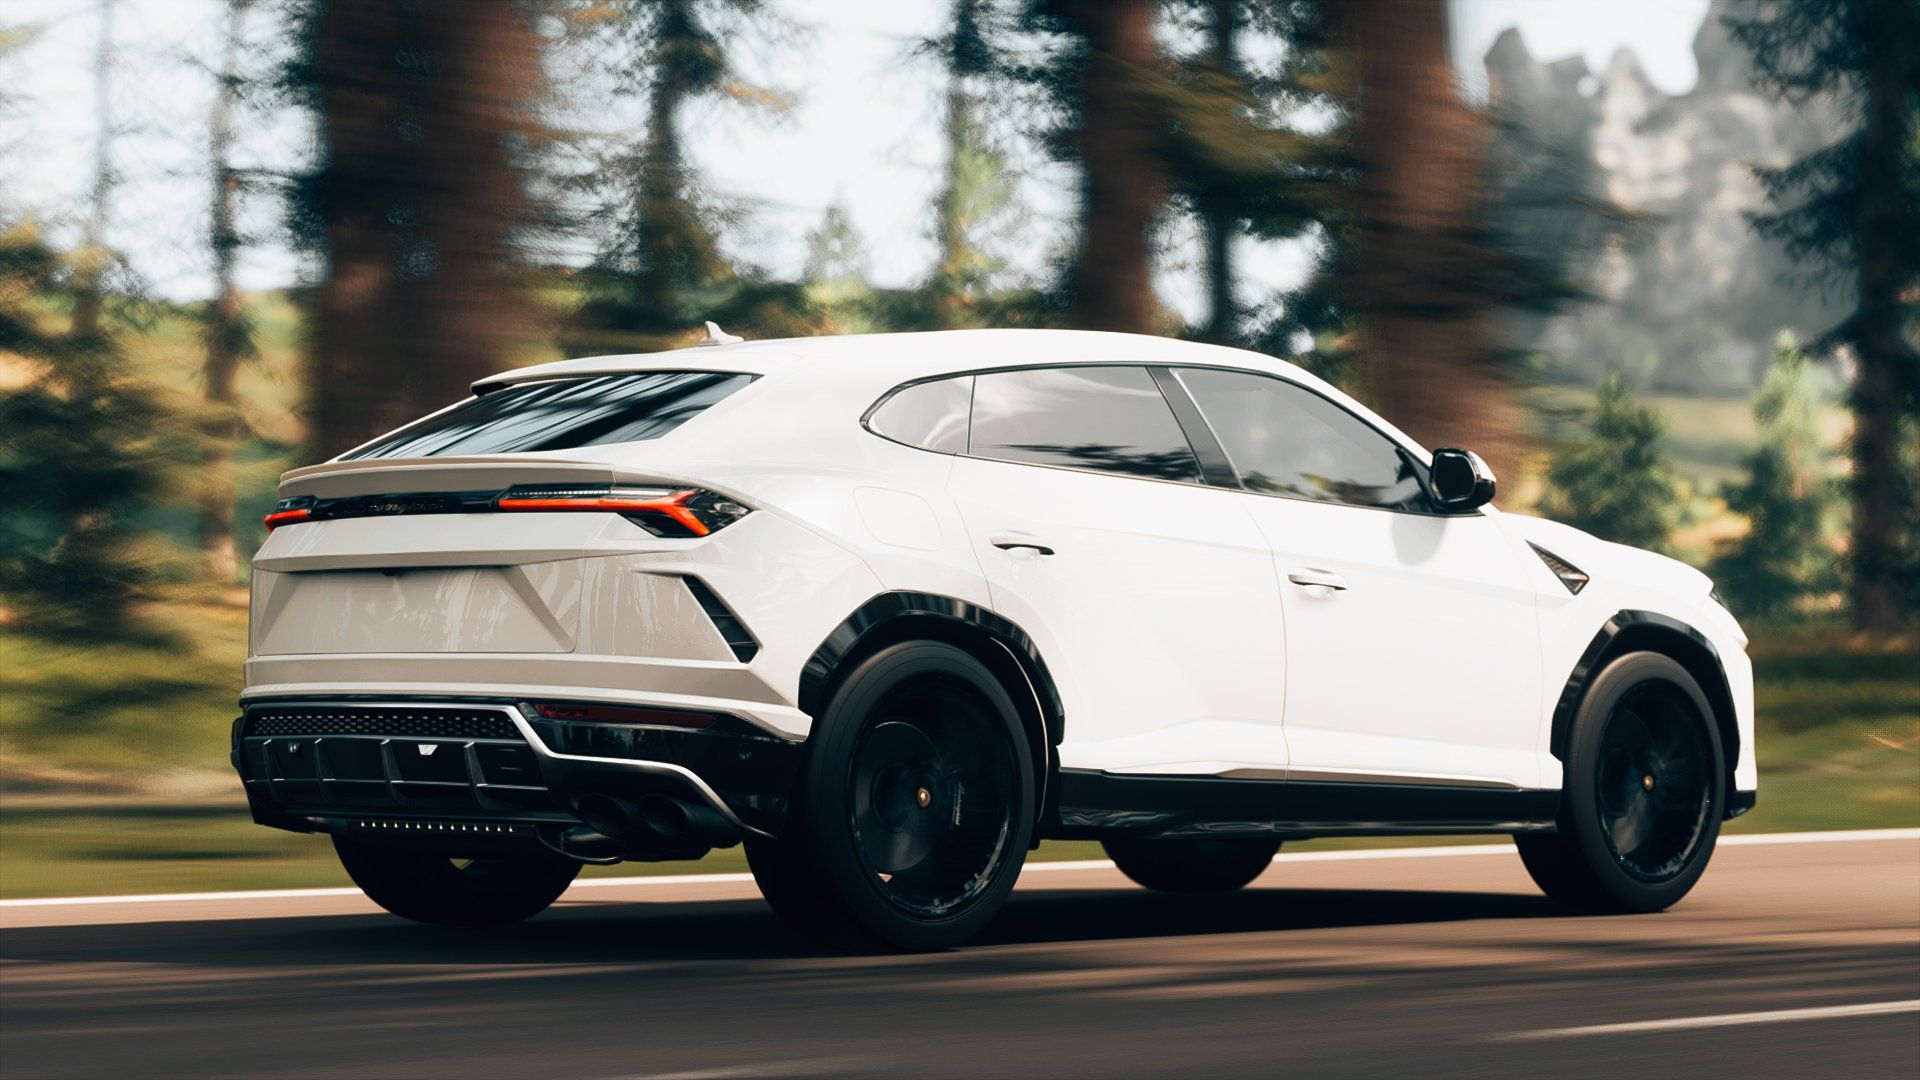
(561, 414)
(929, 415)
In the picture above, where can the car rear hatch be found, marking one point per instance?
(468, 530)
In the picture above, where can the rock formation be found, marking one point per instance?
(1642, 197)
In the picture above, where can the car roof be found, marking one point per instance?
(897, 358)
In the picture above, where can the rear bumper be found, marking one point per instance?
(475, 775)
(703, 685)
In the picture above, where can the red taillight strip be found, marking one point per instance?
(671, 506)
(286, 517)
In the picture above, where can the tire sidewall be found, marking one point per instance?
(1580, 817)
(824, 818)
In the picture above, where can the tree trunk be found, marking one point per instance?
(88, 302)
(1424, 348)
(1122, 187)
(225, 330)
(950, 301)
(1881, 516)
(420, 200)
(1216, 223)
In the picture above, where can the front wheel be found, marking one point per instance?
(915, 806)
(455, 892)
(1192, 866)
(1645, 791)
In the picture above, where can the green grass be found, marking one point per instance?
(125, 720)
(113, 774)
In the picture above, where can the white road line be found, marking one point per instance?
(1685, 1023)
(1829, 836)
(1451, 851)
(185, 897)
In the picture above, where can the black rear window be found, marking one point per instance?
(561, 414)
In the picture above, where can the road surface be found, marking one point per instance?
(1790, 959)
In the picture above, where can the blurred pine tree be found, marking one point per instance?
(1236, 156)
(976, 191)
(1615, 483)
(415, 204)
(659, 271)
(1783, 559)
(1850, 212)
(228, 333)
(85, 444)
(1106, 85)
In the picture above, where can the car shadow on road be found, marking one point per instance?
(735, 930)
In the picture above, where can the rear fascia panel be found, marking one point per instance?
(617, 593)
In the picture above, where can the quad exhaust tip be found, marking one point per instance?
(616, 827)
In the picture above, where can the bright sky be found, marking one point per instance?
(862, 133)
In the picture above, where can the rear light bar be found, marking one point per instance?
(663, 511)
(286, 513)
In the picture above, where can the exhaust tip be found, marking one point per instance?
(607, 815)
(666, 816)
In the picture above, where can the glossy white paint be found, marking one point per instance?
(1168, 613)
(1156, 610)
(1424, 661)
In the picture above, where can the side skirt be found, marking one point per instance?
(1096, 804)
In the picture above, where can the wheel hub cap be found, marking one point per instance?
(1654, 784)
(930, 794)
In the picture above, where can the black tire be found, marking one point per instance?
(914, 809)
(1192, 866)
(1644, 795)
(436, 889)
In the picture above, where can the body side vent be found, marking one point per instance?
(738, 638)
(1570, 575)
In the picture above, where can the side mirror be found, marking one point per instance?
(1461, 481)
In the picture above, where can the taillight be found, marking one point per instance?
(662, 511)
(289, 511)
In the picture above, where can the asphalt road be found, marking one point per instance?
(1400, 966)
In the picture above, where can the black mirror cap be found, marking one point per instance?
(1461, 480)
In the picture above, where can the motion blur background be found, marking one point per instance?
(1658, 260)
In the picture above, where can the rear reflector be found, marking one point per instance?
(623, 714)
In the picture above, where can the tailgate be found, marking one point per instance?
(500, 583)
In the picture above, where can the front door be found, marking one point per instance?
(1412, 650)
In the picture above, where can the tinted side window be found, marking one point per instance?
(929, 415)
(561, 415)
(1108, 419)
(1287, 440)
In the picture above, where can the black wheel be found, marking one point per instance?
(915, 806)
(455, 892)
(1644, 794)
(1192, 866)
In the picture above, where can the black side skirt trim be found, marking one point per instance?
(1095, 804)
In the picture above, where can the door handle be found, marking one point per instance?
(1326, 579)
(1018, 541)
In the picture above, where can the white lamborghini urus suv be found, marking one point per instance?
(891, 609)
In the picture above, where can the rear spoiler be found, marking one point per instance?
(339, 479)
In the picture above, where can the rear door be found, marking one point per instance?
(1412, 651)
(1151, 595)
